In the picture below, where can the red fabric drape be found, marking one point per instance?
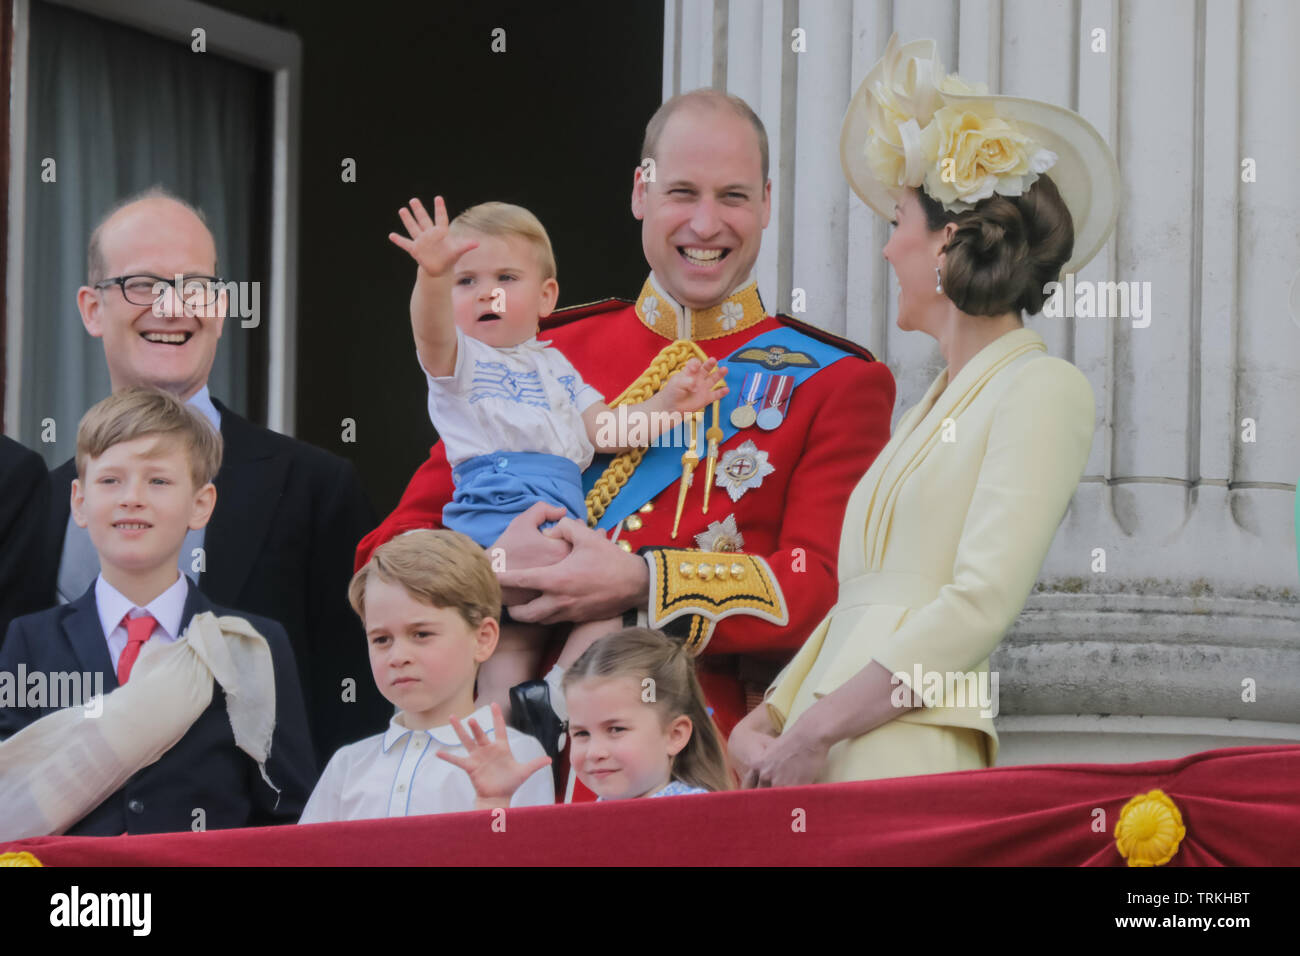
(1241, 806)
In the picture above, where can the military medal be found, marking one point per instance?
(776, 400)
(721, 536)
(744, 414)
(743, 468)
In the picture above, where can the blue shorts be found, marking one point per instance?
(491, 490)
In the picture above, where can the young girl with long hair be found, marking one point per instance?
(637, 720)
(638, 726)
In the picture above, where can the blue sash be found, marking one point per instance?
(662, 464)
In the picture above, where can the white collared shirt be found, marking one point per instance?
(399, 774)
(527, 398)
(201, 401)
(166, 609)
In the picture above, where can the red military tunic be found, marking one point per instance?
(837, 421)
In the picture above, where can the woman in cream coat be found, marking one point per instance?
(945, 535)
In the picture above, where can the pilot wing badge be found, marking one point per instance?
(776, 357)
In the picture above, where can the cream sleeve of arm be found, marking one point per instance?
(1037, 449)
(446, 392)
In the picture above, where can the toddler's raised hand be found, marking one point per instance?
(430, 243)
(492, 768)
(696, 385)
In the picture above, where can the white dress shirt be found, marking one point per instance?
(527, 398)
(166, 609)
(399, 774)
(201, 401)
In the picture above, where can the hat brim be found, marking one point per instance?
(1085, 172)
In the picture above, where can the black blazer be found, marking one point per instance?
(24, 500)
(204, 769)
(281, 543)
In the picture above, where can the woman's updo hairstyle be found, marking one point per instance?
(1005, 249)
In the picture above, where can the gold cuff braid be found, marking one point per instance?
(669, 360)
(713, 586)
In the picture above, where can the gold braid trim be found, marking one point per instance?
(669, 360)
(711, 586)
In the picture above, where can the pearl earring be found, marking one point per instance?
(938, 280)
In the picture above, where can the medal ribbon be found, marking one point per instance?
(752, 388)
(778, 392)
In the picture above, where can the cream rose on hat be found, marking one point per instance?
(977, 156)
(961, 155)
(912, 125)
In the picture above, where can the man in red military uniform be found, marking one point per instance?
(745, 582)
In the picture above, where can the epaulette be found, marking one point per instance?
(830, 338)
(574, 313)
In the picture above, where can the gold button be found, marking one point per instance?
(737, 571)
(625, 546)
(686, 569)
(706, 572)
(633, 523)
(646, 508)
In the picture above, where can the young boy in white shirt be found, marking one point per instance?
(430, 603)
(518, 422)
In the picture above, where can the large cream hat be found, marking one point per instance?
(911, 125)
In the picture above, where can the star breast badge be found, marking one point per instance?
(721, 536)
(743, 468)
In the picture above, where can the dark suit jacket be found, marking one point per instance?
(281, 543)
(204, 769)
(24, 500)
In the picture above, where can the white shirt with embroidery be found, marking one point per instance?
(399, 774)
(527, 398)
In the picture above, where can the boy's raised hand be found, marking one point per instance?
(695, 386)
(430, 243)
(492, 768)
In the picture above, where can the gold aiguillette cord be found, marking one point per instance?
(689, 460)
(714, 435)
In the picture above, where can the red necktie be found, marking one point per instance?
(138, 630)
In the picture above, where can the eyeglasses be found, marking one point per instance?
(195, 291)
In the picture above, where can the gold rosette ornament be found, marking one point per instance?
(19, 859)
(1150, 829)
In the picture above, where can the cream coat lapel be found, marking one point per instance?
(913, 439)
